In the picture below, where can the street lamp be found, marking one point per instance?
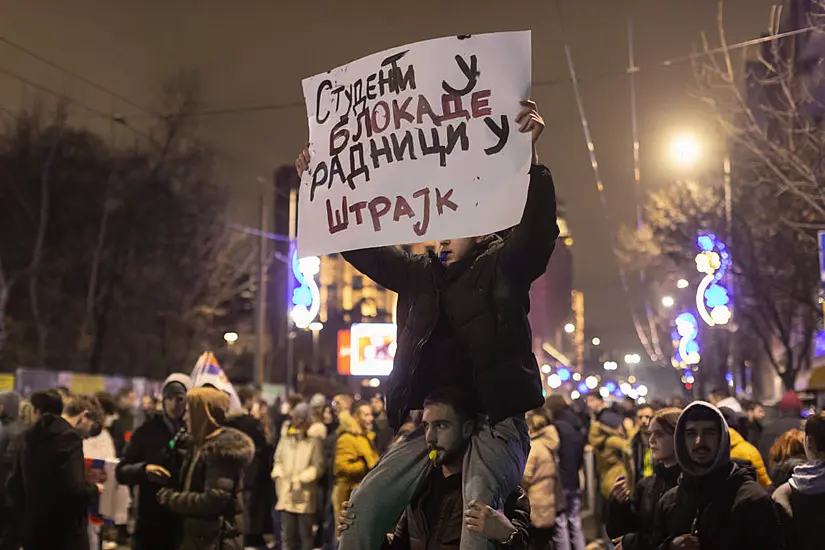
(685, 149)
(596, 341)
(569, 328)
(315, 327)
(632, 359)
(668, 301)
(230, 337)
(611, 365)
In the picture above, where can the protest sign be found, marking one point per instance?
(417, 143)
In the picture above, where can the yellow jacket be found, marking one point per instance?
(741, 449)
(355, 455)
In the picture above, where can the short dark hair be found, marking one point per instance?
(644, 406)
(815, 429)
(556, 405)
(246, 393)
(107, 402)
(360, 404)
(751, 405)
(47, 402)
(124, 392)
(79, 404)
(461, 402)
(594, 395)
(700, 413)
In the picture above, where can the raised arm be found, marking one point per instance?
(388, 266)
(528, 248)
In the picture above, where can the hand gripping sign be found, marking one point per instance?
(417, 143)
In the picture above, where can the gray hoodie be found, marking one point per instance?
(722, 460)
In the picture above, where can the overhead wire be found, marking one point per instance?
(637, 177)
(591, 148)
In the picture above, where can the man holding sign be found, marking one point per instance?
(462, 320)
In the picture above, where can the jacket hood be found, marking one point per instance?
(722, 459)
(317, 429)
(180, 378)
(11, 405)
(230, 445)
(348, 424)
(809, 478)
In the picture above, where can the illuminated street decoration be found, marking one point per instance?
(685, 340)
(306, 297)
(712, 298)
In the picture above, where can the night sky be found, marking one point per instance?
(253, 53)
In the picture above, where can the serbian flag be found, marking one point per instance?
(208, 371)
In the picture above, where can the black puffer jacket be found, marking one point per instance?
(486, 305)
(414, 531)
(49, 485)
(633, 520)
(152, 443)
(212, 507)
(724, 506)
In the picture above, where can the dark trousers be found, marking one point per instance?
(541, 538)
(297, 531)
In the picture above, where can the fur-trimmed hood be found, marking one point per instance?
(348, 424)
(229, 446)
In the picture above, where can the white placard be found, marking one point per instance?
(417, 143)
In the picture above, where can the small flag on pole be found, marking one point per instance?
(208, 371)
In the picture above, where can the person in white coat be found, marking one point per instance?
(299, 462)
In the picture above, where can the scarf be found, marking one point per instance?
(809, 478)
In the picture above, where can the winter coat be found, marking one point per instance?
(541, 476)
(801, 505)
(257, 481)
(781, 473)
(11, 439)
(611, 449)
(571, 449)
(485, 300)
(384, 434)
(640, 455)
(776, 429)
(741, 449)
(633, 520)
(121, 429)
(49, 484)
(355, 455)
(413, 531)
(155, 526)
(299, 464)
(723, 505)
(212, 506)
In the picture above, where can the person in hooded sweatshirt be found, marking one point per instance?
(11, 430)
(630, 515)
(717, 504)
(153, 459)
(801, 501)
(210, 501)
(50, 481)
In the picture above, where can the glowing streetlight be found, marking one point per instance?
(682, 283)
(315, 326)
(596, 341)
(685, 150)
(574, 395)
(591, 382)
(632, 359)
(611, 365)
(604, 392)
(576, 376)
(569, 328)
(554, 381)
(375, 382)
(668, 301)
(230, 337)
(546, 369)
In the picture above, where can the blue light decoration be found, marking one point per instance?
(583, 389)
(819, 341)
(610, 385)
(564, 374)
(712, 298)
(685, 340)
(306, 297)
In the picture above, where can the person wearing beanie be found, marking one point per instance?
(299, 464)
(153, 459)
(717, 504)
(210, 501)
(790, 418)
